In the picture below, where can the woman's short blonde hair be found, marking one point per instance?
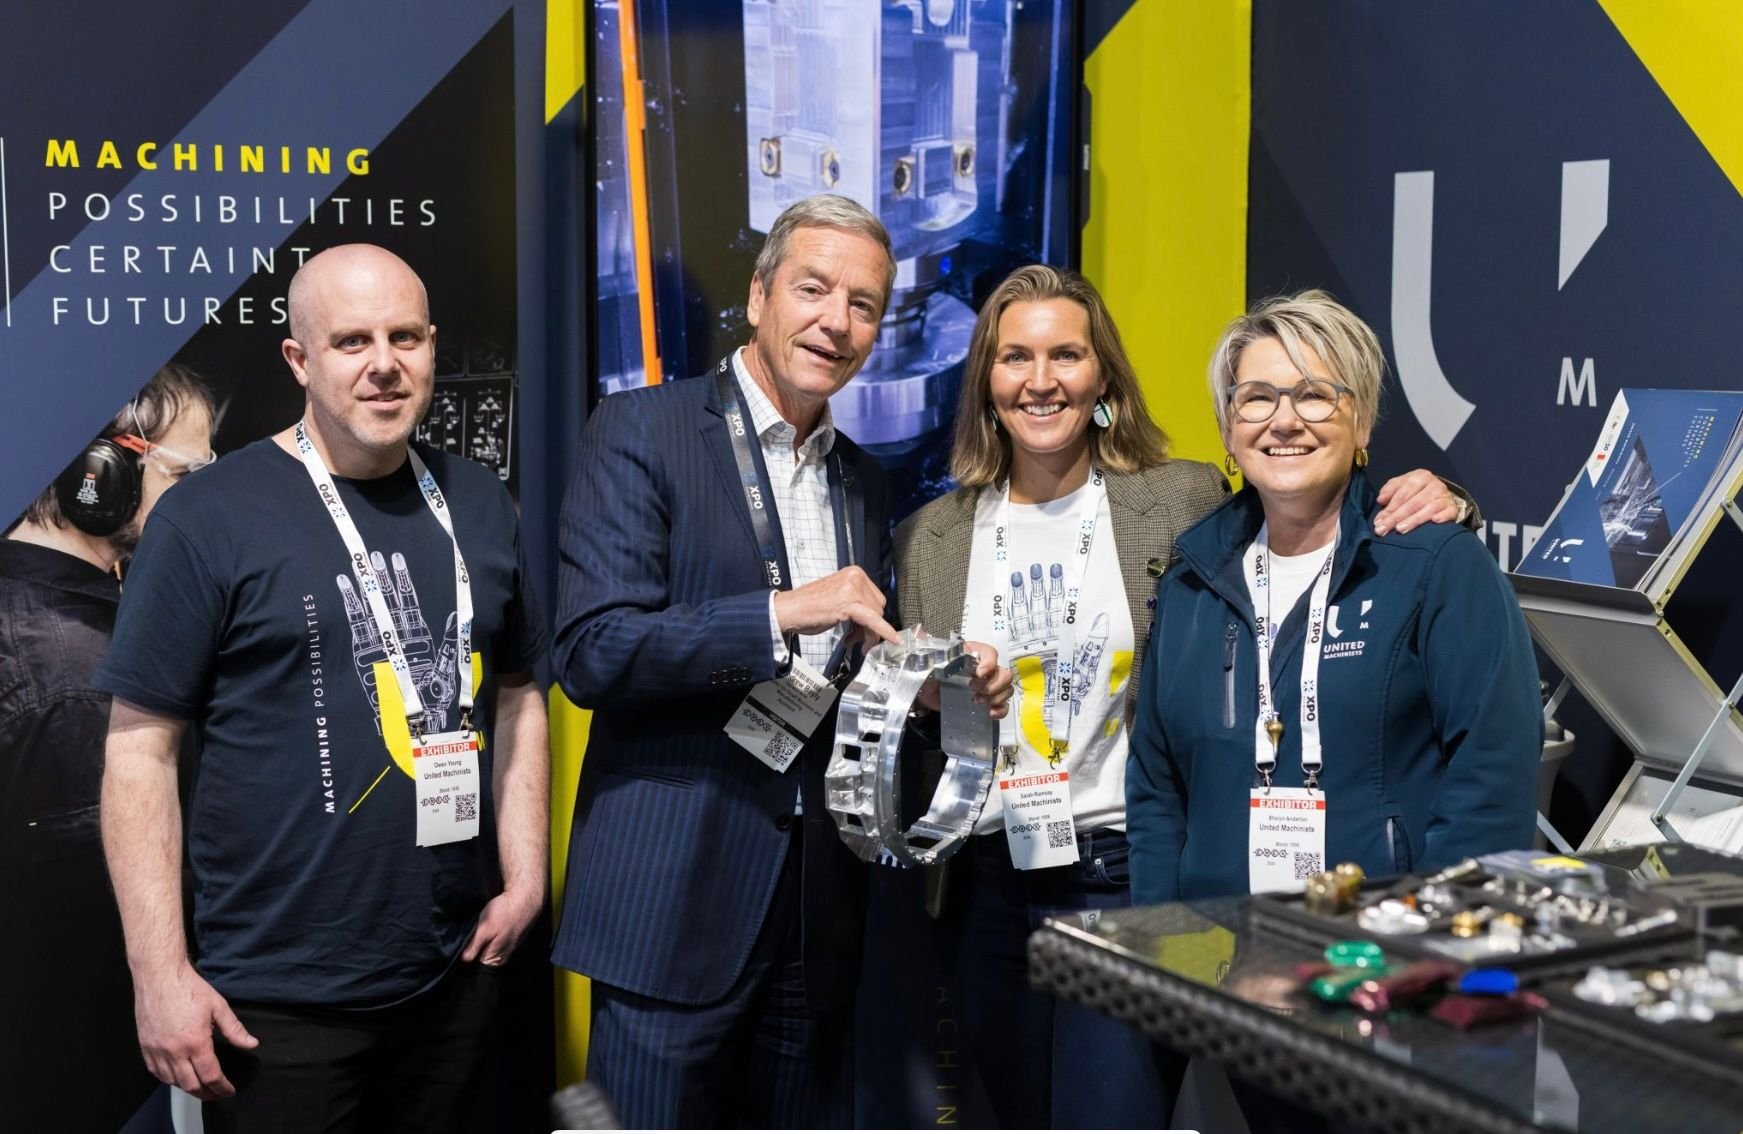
(982, 452)
(1344, 344)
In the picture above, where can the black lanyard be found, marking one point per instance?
(759, 496)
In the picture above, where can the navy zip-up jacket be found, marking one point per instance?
(1431, 724)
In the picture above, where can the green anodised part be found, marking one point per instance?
(1355, 954)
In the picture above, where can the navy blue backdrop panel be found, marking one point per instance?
(1506, 195)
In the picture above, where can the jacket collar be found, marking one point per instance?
(50, 568)
(714, 429)
(1130, 494)
(1213, 548)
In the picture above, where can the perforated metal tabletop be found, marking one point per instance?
(1200, 979)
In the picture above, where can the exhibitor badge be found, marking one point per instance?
(446, 768)
(1285, 839)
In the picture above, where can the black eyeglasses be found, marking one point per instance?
(1314, 399)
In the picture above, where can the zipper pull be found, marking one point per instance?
(1229, 636)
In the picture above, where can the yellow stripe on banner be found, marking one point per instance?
(1694, 50)
(565, 54)
(1167, 240)
(569, 727)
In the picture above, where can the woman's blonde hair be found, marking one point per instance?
(1345, 344)
(982, 452)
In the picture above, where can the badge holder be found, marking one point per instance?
(862, 784)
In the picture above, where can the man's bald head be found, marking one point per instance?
(320, 271)
(363, 349)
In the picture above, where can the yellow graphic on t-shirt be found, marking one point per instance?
(396, 733)
(1119, 673)
(1031, 676)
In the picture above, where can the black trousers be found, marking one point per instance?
(411, 1067)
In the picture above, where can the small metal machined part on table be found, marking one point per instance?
(862, 784)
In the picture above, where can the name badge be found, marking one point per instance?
(447, 778)
(1285, 839)
(1038, 825)
(777, 717)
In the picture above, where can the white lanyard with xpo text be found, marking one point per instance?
(447, 764)
(1286, 826)
(1039, 824)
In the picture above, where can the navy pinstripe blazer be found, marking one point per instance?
(662, 626)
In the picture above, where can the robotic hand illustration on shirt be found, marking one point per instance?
(432, 668)
(1047, 701)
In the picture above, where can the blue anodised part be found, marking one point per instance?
(1489, 982)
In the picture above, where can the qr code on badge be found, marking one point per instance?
(1307, 864)
(1059, 834)
(781, 748)
(465, 805)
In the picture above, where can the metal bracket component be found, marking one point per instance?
(862, 784)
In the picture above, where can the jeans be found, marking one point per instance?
(1048, 1064)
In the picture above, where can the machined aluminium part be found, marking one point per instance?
(863, 782)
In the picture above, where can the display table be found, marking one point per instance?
(1201, 979)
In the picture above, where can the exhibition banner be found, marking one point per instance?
(1508, 195)
(1534, 206)
(160, 185)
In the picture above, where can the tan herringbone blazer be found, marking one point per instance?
(1149, 510)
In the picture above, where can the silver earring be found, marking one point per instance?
(992, 415)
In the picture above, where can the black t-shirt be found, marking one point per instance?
(240, 616)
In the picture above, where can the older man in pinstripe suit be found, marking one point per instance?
(709, 897)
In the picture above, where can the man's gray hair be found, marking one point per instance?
(824, 210)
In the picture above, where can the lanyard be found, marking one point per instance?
(1038, 607)
(759, 496)
(1268, 729)
(375, 601)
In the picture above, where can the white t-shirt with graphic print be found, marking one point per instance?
(1043, 535)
